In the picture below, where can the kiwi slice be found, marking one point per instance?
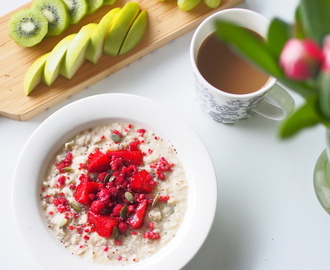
(77, 9)
(27, 27)
(56, 13)
(93, 5)
(108, 2)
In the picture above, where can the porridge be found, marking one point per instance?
(115, 194)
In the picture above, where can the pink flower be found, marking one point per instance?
(301, 59)
(326, 51)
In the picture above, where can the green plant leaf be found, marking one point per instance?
(301, 88)
(324, 100)
(315, 18)
(298, 30)
(278, 34)
(249, 45)
(305, 116)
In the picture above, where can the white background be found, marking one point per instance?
(267, 218)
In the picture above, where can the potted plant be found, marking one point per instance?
(298, 55)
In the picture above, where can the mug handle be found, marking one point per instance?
(276, 104)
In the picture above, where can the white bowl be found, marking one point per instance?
(98, 110)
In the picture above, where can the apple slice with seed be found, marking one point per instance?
(75, 55)
(34, 74)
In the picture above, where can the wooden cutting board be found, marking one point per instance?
(166, 22)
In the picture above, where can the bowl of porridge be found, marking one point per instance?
(114, 181)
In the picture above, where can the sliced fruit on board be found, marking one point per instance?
(34, 75)
(89, 42)
(108, 2)
(27, 27)
(56, 13)
(212, 3)
(135, 33)
(55, 59)
(77, 9)
(120, 28)
(93, 5)
(75, 55)
(95, 46)
(187, 5)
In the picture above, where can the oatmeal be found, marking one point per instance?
(115, 194)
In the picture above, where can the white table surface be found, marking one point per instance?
(267, 218)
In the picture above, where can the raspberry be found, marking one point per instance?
(151, 235)
(66, 162)
(151, 226)
(122, 227)
(104, 195)
(60, 181)
(97, 207)
(101, 176)
(163, 198)
(116, 209)
(141, 131)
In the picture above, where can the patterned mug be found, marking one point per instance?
(270, 101)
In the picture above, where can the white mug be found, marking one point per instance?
(270, 101)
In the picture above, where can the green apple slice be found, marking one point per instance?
(120, 27)
(75, 54)
(95, 46)
(34, 74)
(135, 33)
(56, 56)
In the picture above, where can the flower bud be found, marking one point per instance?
(301, 59)
(326, 52)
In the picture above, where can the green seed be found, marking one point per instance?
(107, 178)
(68, 169)
(75, 206)
(155, 201)
(115, 137)
(63, 222)
(129, 196)
(115, 232)
(123, 212)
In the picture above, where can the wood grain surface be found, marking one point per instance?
(166, 22)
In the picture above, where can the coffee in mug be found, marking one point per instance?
(226, 70)
(228, 88)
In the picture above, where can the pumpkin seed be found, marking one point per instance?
(107, 178)
(115, 232)
(75, 206)
(115, 137)
(155, 201)
(123, 212)
(63, 222)
(129, 196)
(68, 169)
(112, 178)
